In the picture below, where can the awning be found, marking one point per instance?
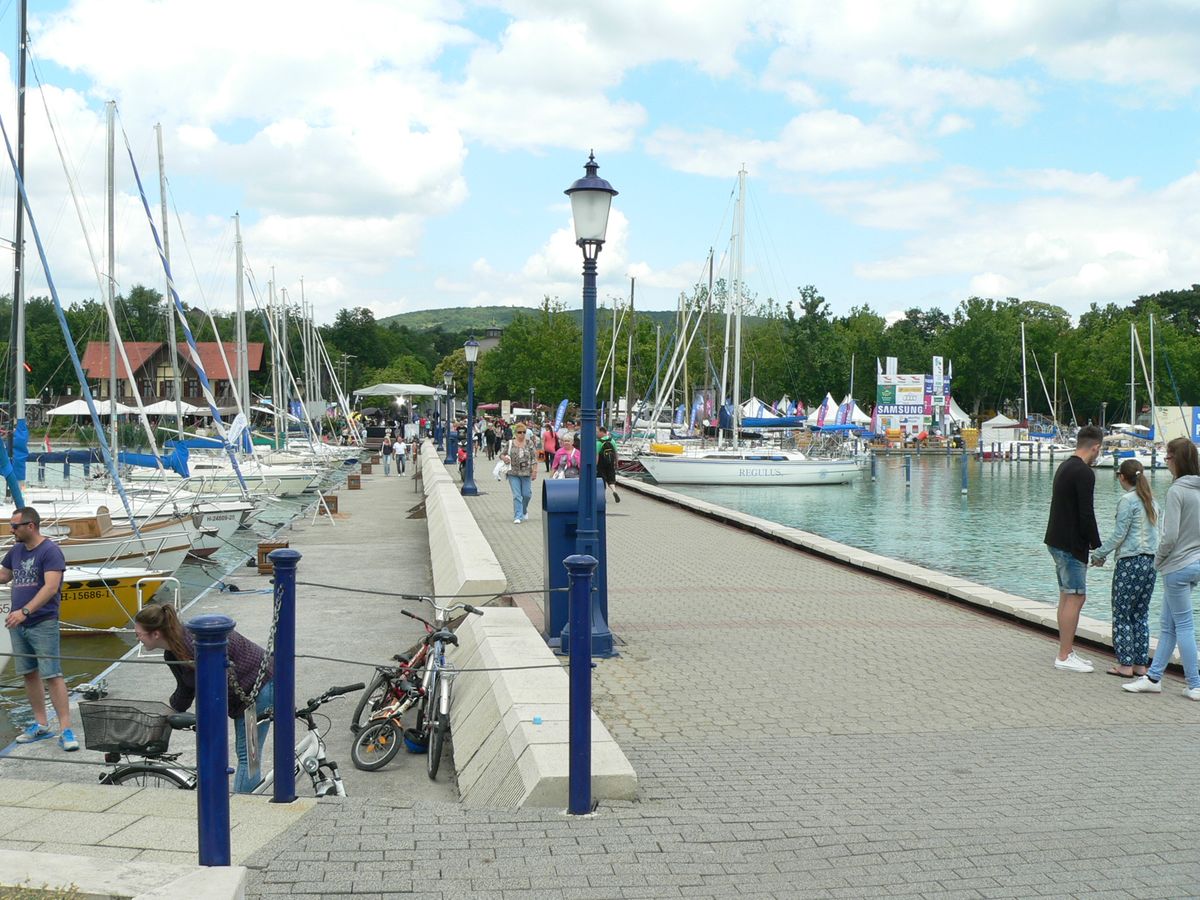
(398, 390)
(167, 408)
(80, 408)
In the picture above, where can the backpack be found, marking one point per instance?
(608, 454)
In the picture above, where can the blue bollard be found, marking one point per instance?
(285, 562)
(66, 468)
(873, 477)
(579, 777)
(451, 447)
(964, 472)
(211, 637)
(908, 471)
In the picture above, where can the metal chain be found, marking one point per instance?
(260, 679)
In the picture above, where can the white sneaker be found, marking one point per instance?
(1145, 686)
(1073, 664)
(517, 520)
(1192, 693)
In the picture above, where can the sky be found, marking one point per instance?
(413, 155)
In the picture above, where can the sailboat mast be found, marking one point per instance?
(629, 364)
(18, 294)
(612, 375)
(1132, 376)
(169, 306)
(1150, 378)
(708, 385)
(243, 374)
(739, 241)
(1024, 381)
(110, 172)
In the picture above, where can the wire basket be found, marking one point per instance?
(126, 726)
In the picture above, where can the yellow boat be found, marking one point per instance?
(103, 598)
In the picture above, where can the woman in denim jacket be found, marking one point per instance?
(1135, 541)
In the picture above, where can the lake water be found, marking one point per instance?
(991, 535)
(194, 578)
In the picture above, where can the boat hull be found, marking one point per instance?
(749, 472)
(105, 599)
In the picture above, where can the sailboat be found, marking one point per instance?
(737, 465)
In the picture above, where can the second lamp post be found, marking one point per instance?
(471, 351)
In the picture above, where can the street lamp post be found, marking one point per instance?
(471, 351)
(448, 425)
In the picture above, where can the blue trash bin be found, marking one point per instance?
(560, 520)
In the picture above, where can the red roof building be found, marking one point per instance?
(151, 364)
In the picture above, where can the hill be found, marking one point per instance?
(477, 318)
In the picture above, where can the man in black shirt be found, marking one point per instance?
(1071, 534)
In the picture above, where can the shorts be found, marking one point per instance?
(41, 640)
(1072, 574)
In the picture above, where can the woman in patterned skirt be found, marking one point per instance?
(1134, 540)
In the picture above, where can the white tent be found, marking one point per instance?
(80, 408)
(398, 390)
(957, 414)
(1001, 429)
(830, 407)
(756, 409)
(167, 408)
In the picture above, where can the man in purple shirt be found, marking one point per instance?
(35, 566)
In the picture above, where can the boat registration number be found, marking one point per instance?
(89, 594)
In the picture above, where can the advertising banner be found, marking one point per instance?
(900, 402)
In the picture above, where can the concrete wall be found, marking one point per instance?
(460, 556)
(502, 757)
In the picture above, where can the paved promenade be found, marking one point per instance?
(800, 729)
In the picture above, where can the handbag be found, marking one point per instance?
(500, 470)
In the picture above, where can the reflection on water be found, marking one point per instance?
(992, 535)
(15, 713)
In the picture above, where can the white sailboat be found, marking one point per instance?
(758, 466)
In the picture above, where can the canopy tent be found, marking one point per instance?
(957, 415)
(1001, 428)
(167, 408)
(80, 408)
(757, 409)
(398, 390)
(830, 408)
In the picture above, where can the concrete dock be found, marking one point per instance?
(799, 729)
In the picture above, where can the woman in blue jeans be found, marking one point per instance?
(1178, 561)
(521, 456)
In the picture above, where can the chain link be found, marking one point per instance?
(260, 679)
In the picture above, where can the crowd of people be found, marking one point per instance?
(1149, 542)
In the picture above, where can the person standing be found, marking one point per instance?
(521, 455)
(549, 445)
(567, 461)
(1071, 534)
(399, 452)
(1134, 540)
(157, 627)
(1178, 561)
(489, 440)
(606, 460)
(35, 566)
(386, 450)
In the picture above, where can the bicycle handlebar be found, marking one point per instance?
(315, 702)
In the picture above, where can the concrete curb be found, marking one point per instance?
(1034, 612)
(107, 878)
(503, 759)
(459, 555)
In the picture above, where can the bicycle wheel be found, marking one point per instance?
(375, 746)
(372, 698)
(148, 776)
(438, 727)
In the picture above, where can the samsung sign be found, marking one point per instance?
(901, 409)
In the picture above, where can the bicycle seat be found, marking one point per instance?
(182, 721)
(445, 635)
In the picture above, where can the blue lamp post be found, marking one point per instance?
(448, 425)
(471, 350)
(591, 199)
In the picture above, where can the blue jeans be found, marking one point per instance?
(387, 464)
(1178, 625)
(241, 778)
(1072, 574)
(39, 642)
(522, 491)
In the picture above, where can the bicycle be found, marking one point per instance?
(437, 680)
(379, 740)
(386, 686)
(139, 732)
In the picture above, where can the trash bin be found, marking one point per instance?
(560, 521)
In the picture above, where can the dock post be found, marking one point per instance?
(907, 471)
(579, 734)
(66, 467)
(964, 472)
(873, 476)
(1153, 458)
(41, 472)
(211, 636)
(284, 736)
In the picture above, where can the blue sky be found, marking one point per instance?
(898, 154)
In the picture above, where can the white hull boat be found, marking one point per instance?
(750, 468)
